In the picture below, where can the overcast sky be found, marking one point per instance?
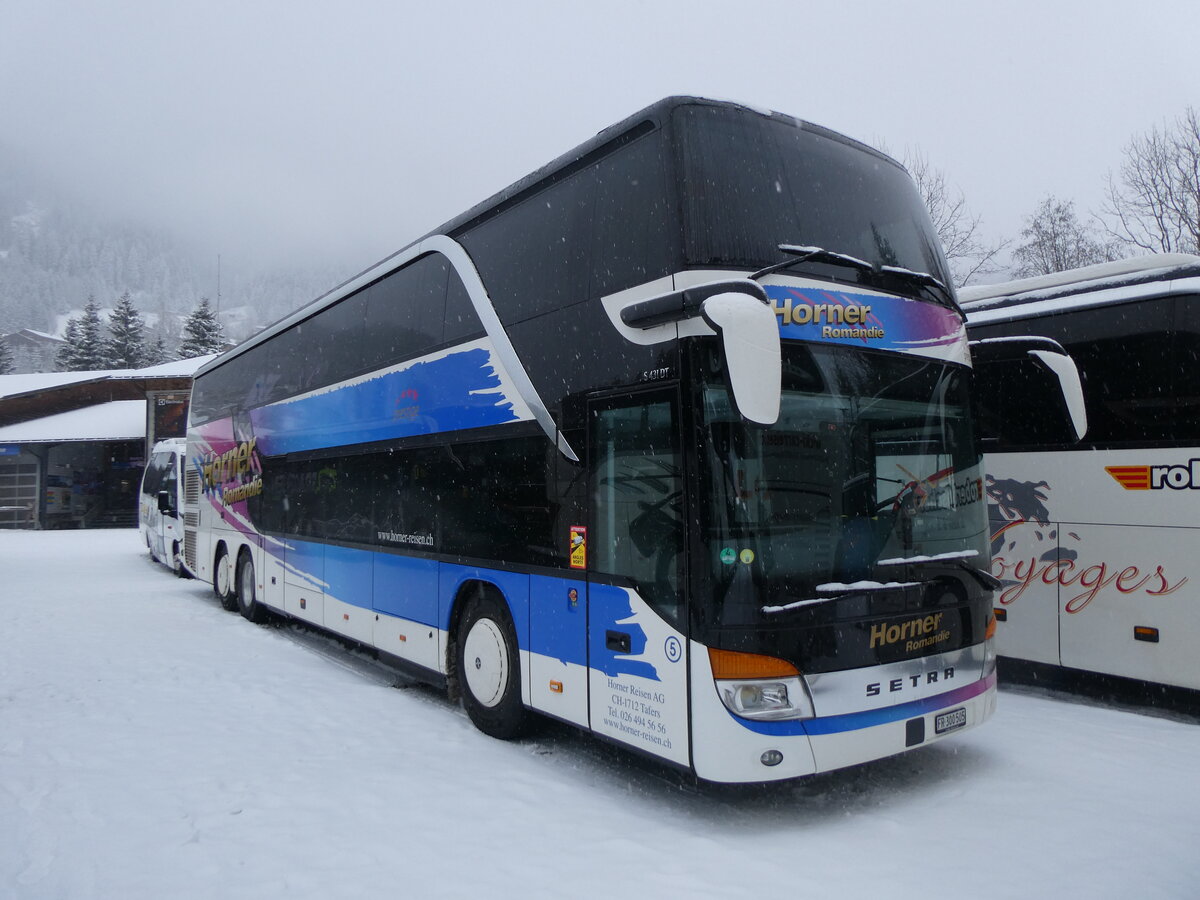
(349, 128)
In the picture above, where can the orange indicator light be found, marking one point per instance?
(728, 664)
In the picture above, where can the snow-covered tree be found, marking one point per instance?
(156, 353)
(202, 333)
(1154, 204)
(127, 335)
(86, 348)
(1054, 240)
(6, 358)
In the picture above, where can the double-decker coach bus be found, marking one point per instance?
(671, 440)
(1096, 542)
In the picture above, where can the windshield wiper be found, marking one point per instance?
(959, 560)
(821, 255)
(814, 254)
(926, 280)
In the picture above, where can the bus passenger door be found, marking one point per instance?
(637, 644)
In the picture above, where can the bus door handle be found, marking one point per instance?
(618, 641)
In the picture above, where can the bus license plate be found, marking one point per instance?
(956, 718)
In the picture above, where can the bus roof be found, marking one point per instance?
(578, 157)
(1132, 271)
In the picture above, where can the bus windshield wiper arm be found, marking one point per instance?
(820, 254)
(922, 278)
(814, 254)
(958, 560)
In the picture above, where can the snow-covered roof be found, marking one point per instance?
(30, 335)
(1145, 266)
(1124, 281)
(179, 368)
(12, 385)
(117, 420)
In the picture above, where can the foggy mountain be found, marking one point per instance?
(55, 252)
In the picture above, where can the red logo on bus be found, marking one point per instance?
(1132, 478)
(1155, 478)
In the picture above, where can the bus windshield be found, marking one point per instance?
(874, 457)
(756, 182)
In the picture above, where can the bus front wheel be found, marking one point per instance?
(489, 670)
(223, 581)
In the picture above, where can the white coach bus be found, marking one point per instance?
(1098, 543)
(160, 503)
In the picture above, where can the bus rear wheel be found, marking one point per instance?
(223, 581)
(247, 591)
(489, 669)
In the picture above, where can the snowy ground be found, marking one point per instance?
(154, 746)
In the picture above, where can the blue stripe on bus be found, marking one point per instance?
(458, 391)
(423, 590)
(871, 717)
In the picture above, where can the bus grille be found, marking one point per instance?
(191, 488)
(189, 547)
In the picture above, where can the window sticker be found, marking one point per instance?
(578, 547)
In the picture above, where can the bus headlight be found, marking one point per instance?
(759, 687)
(762, 699)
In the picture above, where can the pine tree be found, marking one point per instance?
(202, 333)
(127, 335)
(66, 353)
(157, 353)
(6, 358)
(86, 349)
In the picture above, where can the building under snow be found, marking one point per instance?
(73, 444)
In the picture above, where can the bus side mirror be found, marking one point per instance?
(739, 312)
(750, 338)
(164, 504)
(1028, 392)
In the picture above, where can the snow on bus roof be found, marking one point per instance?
(1137, 265)
(1123, 281)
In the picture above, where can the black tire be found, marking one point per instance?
(223, 577)
(488, 667)
(247, 591)
(177, 563)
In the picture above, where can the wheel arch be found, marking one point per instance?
(468, 588)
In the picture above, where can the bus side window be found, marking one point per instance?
(170, 481)
(334, 342)
(404, 312)
(630, 237)
(535, 257)
(1186, 413)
